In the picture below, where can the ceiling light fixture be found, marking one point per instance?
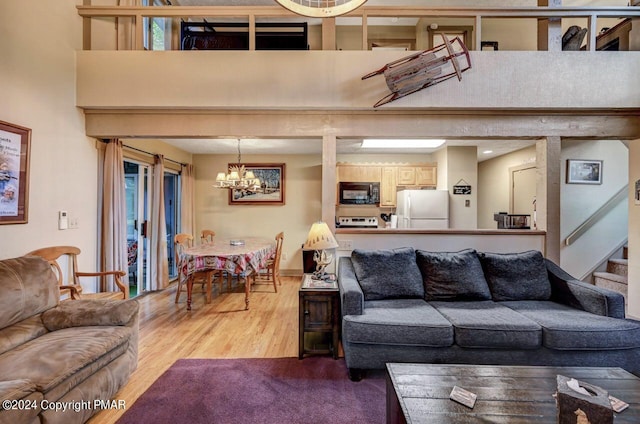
(486, 152)
(238, 178)
(321, 8)
(379, 143)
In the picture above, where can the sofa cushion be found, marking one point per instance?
(566, 328)
(23, 390)
(407, 322)
(28, 287)
(452, 275)
(57, 361)
(388, 274)
(516, 276)
(85, 312)
(487, 324)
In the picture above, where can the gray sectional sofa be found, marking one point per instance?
(60, 362)
(468, 307)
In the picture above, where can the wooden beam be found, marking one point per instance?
(548, 162)
(329, 34)
(601, 124)
(329, 181)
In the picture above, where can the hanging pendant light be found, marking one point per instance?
(237, 177)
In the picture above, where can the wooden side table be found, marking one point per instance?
(319, 322)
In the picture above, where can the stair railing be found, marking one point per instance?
(596, 216)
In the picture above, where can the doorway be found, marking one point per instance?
(523, 192)
(137, 199)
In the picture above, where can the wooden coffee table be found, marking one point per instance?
(419, 393)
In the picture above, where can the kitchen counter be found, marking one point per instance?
(450, 231)
(445, 240)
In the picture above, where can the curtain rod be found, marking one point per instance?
(148, 153)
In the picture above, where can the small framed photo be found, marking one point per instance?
(15, 142)
(272, 179)
(584, 171)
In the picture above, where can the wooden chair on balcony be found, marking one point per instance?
(69, 282)
(271, 273)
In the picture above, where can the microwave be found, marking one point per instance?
(359, 193)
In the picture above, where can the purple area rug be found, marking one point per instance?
(265, 391)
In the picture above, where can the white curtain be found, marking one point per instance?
(187, 210)
(114, 214)
(159, 265)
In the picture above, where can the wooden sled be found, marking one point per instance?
(421, 70)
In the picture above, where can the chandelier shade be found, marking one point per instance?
(238, 177)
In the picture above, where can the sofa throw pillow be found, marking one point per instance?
(452, 275)
(516, 276)
(388, 274)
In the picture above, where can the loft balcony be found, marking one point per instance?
(528, 87)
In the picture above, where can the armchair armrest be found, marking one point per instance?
(83, 313)
(575, 293)
(351, 296)
(117, 278)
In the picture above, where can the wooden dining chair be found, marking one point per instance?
(271, 272)
(206, 236)
(69, 281)
(205, 278)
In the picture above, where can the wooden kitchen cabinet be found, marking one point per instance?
(358, 173)
(419, 176)
(426, 175)
(388, 186)
(406, 175)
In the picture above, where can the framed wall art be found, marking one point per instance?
(272, 185)
(584, 171)
(15, 143)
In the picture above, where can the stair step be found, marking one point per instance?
(625, 251)
(618, 266)
(611, 281)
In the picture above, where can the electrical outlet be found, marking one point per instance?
(345, 244)
(73, 223)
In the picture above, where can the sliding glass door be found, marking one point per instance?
(172, 216)
(137, 194)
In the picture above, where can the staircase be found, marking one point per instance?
(616, 276)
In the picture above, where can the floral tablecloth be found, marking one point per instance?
(222, 255)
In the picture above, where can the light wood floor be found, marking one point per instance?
(221, 329)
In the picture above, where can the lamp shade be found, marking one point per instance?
(320, 237)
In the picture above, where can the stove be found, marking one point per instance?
(357, 222)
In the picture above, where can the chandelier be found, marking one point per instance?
(238, 178)
(321, 8)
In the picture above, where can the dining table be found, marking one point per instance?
(242, 256)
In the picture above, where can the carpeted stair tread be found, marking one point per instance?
(618, 266)
(619, 261)
(621, 279)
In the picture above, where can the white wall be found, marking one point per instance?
(303, 178)
(462, 164)
(493, 183)
(37, 81)
(580, 201)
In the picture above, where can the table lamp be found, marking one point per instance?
(319, 239)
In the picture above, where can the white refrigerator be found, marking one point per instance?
(426, 209)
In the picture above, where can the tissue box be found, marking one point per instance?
(579, 408)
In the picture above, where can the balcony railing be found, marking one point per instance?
(365, 13)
